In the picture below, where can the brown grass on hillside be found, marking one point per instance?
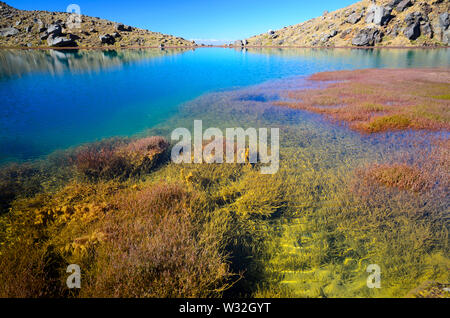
(377, 100)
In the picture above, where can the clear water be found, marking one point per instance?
(56, 99)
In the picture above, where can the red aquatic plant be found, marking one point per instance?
(377, 100)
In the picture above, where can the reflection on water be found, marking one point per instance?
(18, 62)
(57, 99)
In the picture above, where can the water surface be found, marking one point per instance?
(56, 99)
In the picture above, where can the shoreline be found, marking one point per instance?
(226, 47)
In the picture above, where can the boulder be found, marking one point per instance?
(413, 18)
(238, 43)
(382, 15)
(378, 15)
(107, 39)
(54, 29)
(28, 29)
(122, 27)
(345, 33)
(393, 3)
(367, 37)
(446, 37)
(116, 35)
(426, 29)
(355, 17)
(60, 41)
(444, 21)
(403, 5)
(412, 31)
(7, 32)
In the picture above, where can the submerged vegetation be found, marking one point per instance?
(141, 226)
(378, 100)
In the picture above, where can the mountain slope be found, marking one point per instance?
(368, 23)
(20, 28)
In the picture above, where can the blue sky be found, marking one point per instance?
(225, 20)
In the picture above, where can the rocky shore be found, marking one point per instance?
(396, 23)
(19, 28)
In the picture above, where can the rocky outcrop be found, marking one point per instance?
(107, 39)
(6, 32)
(403, 5)
(123, 28)
(412, 30)
(399, 23)
(378, 15)
(20, 28)
(444, 20)
(61, 41)
(367, 37)
(355, 17)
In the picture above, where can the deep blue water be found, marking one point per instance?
(53, 100)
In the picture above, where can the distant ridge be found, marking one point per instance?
(368, 23)
(20, 28)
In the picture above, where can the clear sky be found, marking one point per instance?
(201, 20)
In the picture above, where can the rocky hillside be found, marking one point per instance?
(19, 28)
(368, 23)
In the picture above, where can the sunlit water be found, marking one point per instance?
(53, 99)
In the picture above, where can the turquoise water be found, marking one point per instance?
(56, 99)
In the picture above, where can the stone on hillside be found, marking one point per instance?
(122, 27)
(54, 29)
(28, 29)
(413, 18)
(426, 29)
(7, 32)
(412, 31)
(238, 43)
(393, 3)
(446, 37)
(355, 17)
(367, 37)
(403, 5)
(60, 41)
(116, 35)
(444, 20)
(107, 39)
(379, 15)
(345, 33)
